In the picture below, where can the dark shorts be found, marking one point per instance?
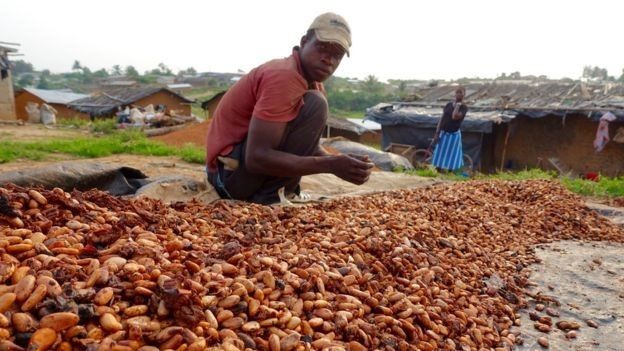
(301, 137)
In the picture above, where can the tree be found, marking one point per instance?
(101, 73)
(76, 66)
(595, 73)
(402, 87)
(87, 76)
(116, 70)
(371, 84)
(46, 73)
(189, 71)
(131, 72)
(164, 70)
(21, 66)
(25, 80)
(621, 79)
(43, 83)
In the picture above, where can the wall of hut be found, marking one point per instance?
(7, 101)
(532, 141)
(172, 102)
(212, 106)
(63, 112)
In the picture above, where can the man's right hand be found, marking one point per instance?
(352, 168)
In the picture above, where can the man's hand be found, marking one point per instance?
(355, 169)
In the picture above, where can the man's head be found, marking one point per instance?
(459, 93)
(324, 45)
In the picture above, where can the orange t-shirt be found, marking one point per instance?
(272, 91)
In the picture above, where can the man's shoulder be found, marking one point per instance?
(281, 65)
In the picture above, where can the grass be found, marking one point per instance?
(107, 140)
(118, 142)
(347, 114)
(606, 187)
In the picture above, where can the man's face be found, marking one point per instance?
(459, 95)
(319, 59)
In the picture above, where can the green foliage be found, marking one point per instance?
(120, 142)
(372, 85)
(429, 172)
(25, 80)
(189, 71)
(349, 100)
(148, 78)
(116, 70)
(76, 66)
(101, 73)
(43, 83)
(193, 154)
(533, 173)
(72, 123)
(131, 72)
(595, 72)
(104, 126)
(605, 187)
(21, 66)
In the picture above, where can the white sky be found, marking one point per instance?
(441, 39)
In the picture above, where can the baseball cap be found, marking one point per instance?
(333, 28)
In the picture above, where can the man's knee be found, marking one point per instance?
(314, 102)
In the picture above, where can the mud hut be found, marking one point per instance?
(549, 125)
(105, 103)
(58, 99)
(7, 99)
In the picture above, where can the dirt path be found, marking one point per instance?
(35, 132)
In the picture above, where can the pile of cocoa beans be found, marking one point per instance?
(400, 270)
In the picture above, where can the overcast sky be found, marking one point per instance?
(391, 39)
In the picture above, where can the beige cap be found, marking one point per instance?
(332, 28)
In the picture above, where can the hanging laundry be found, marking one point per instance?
(602, 134)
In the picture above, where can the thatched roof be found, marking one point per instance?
(105, 102)
(532, 96)
(499, 102)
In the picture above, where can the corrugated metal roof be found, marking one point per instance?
(370, 125)
(105, 102)
(55, 96)
(179, 86)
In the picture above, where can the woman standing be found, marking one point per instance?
(448, 153)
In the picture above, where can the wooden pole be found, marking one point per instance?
(502, 163)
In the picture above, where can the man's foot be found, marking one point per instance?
(289, 199)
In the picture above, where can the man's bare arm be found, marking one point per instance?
(262, 156)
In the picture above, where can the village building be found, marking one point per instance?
(58, 99)
(518, 126)
(210, 105)
(105, 103)
(7, 99)
(358, 130)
